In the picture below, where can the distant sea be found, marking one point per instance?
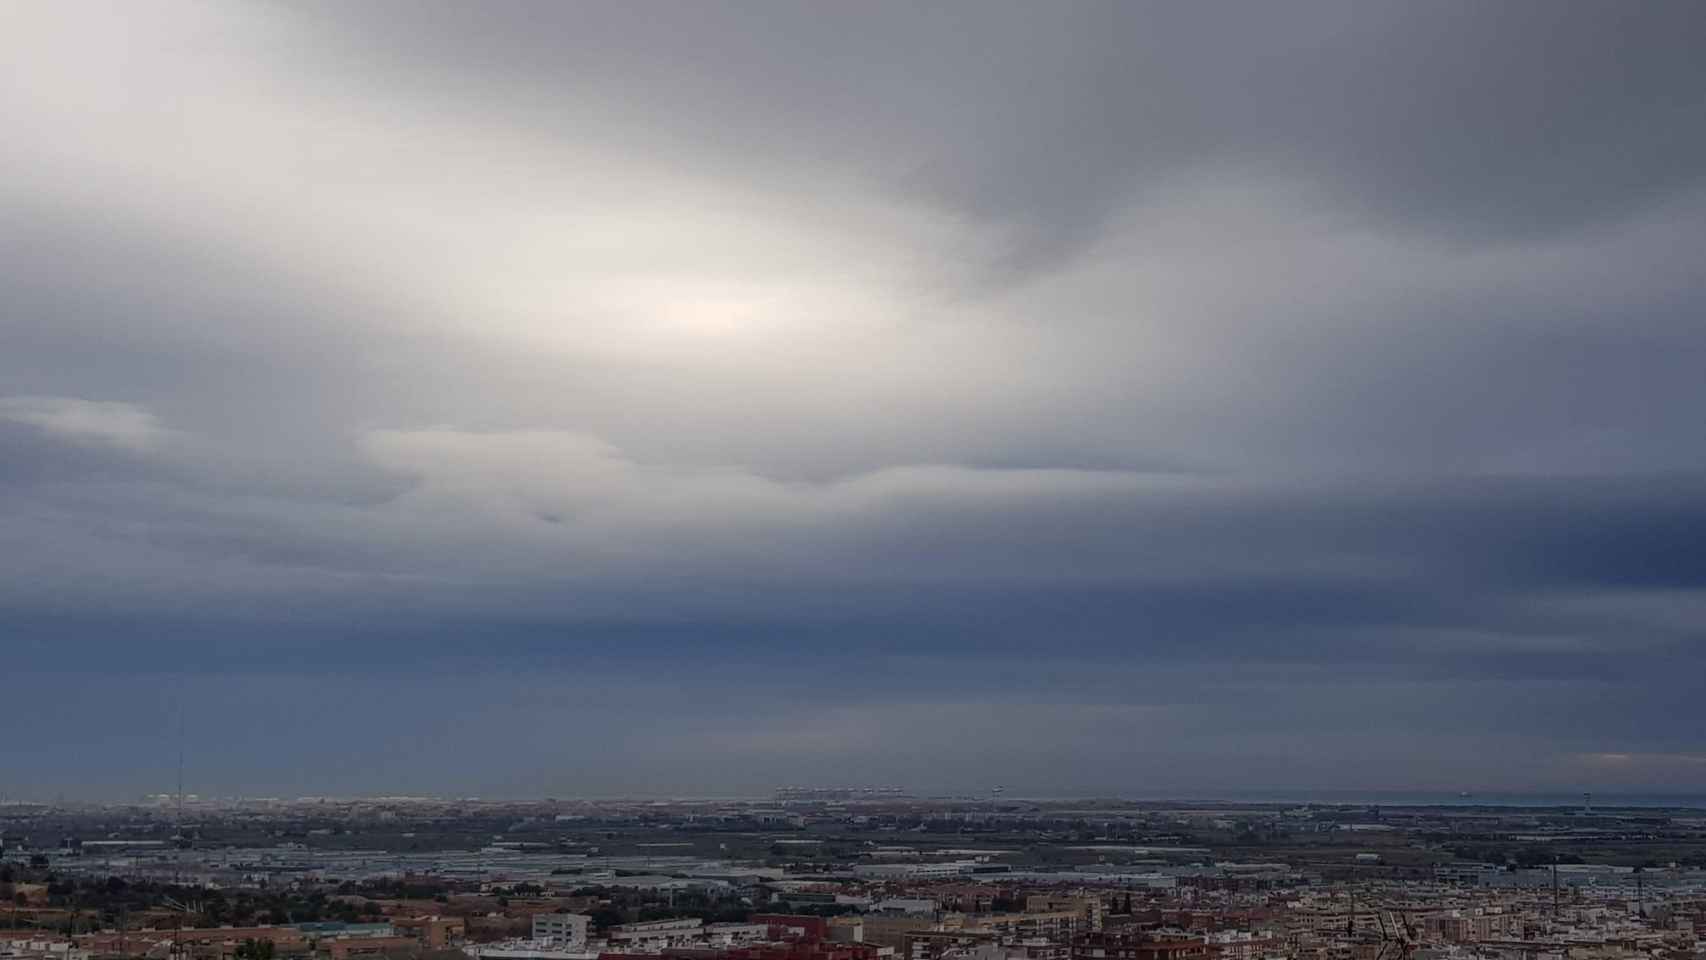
(1400, 798)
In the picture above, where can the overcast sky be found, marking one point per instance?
(563, 398)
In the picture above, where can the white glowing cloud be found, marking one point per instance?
(102, 423)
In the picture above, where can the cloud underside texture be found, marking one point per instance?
(658, 398)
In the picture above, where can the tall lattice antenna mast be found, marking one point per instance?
(179, 824)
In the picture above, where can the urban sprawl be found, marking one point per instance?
(846, 874)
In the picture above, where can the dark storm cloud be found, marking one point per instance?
(31, 457)
(1467, 121)
(1309, 394)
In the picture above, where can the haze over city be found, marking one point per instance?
(595, 399)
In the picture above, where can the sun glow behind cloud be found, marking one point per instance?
(472, 225)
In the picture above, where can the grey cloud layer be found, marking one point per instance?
(1287, 354)
(1481, 123)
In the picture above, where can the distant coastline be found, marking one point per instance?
(1404, 798)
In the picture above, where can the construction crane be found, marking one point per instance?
(1397, 939)
(184, 910)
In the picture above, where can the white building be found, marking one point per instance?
(561, 928)
(528, 950)
(42, 949)
(914, 871)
